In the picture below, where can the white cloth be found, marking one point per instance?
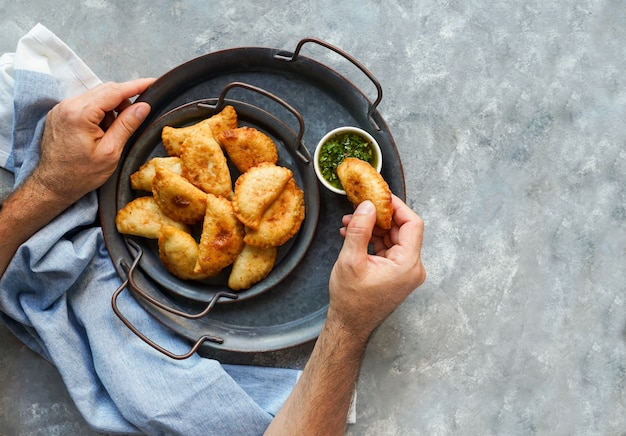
(39, 51)
(6, 106)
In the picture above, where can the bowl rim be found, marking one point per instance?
(342, 129)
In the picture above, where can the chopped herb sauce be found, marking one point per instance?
(340, 146)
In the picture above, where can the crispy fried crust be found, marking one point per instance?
(205, 166)
(281, 221)
(222, 236)
(142, 178)
(173, 137)
(225, 120)
(142, 217)
(177, 198)
(194, 184)
(362, 182)
(248, 147)
(251, 266)
(256, 190)
(178, 251)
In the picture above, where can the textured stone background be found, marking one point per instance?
(510, 120)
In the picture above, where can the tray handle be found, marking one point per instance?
(130, 282)
(298, 145)
(370, 112)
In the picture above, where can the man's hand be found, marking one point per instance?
(365, 288)
(77, 154)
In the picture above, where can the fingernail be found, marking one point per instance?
(142, 110)
(365, 208)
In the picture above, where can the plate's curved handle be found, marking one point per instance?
(292, 57)
(131, 283)
(298, 145)
(149, 341)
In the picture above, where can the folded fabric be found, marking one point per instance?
(56, 294)
(39, 51)
(6, 106)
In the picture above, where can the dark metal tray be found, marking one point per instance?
(293, 310)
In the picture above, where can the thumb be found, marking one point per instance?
(127, 122)
(359, 230)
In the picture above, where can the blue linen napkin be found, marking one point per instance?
(56, 294)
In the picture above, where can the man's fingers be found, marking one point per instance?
(108, 119)
(125, 125)
(359, 230)
(123, 105)
(109, 96)
(401, 212)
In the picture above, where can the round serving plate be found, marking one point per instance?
(293, 310)
(298, 159)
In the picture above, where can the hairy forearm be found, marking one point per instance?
(320, 400)
(27, 210)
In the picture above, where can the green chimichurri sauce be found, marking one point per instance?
(340, 146)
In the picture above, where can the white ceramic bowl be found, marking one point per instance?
(339, 131)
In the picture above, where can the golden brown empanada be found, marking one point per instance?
(251, 266)
(225, 120)
(177, 197)
(173, 137)
(362, 182)
(178, 251)
(222, 236)
(142, 178)
(142, 217)
(256, 189)
(205, 165)
(247, 147)
(282, 219)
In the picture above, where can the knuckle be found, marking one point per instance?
(107, 84)
(68, 110)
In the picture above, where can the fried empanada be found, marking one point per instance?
(205, 165)
(362, 182)
(142, 178)
(247, 147)
(177, 197)
(256, 190)
(282, 219)
(251, 266)
(142, 217)
(222, 236)
(178, 251)
(225, 120)
(173, 137)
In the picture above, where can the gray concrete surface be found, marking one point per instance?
(510, 120)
